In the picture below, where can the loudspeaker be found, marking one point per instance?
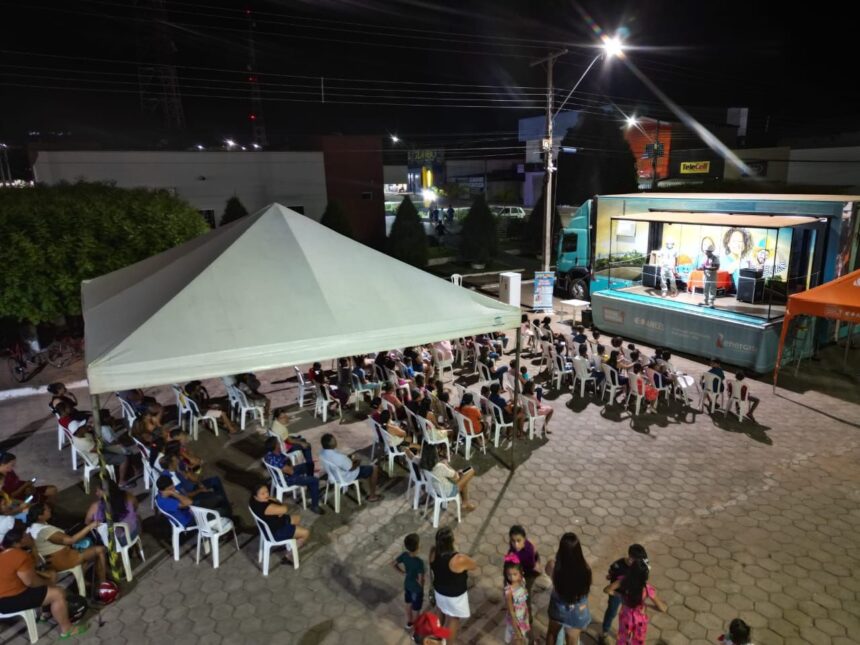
(651, 276)
(750, 285)
(587, 319)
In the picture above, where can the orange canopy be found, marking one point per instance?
(838, 299)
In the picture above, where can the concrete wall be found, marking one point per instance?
(825, 166)
(770, 163)
(206, 179)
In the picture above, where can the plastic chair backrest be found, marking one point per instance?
(203, 518)
(559, 363)
(580, 366)
(496, 411)
(264, 529)
(276, 474)
(170, 518)
(611, 374)
(485, 373)
(300, 377)
(333, 472)
(711, 382)
(241, 397)
(530, 406)
(437, 485)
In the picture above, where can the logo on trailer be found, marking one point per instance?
(722, 343)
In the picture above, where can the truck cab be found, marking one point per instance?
(574, 254)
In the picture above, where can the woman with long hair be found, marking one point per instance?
(571, 580)
(123, 508)
(635, 592)
(450, 580)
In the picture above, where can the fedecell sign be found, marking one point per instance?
(695, 167)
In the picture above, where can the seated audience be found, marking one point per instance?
(200, 395)
(18, 490)
(298, 475)
(56, 547)
(277, 517)
(250, 386)
(542, 410)
(173, 503)
(469, 410)
(22, 587)
(114, 454)
(452, 481)
(208, 493)
(349, 468)
(123, 507)
(292, 443)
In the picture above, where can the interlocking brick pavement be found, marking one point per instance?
(752, 520)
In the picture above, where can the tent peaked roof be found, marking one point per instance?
(839, 298)
(272, 289)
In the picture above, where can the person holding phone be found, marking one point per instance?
(452, 481)
(18, 489)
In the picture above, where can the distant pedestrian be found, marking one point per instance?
(739, 634)
(449, 215)
(635, 593)
(412, 566)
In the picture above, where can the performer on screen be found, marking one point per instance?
(668, 258)
(710, 267)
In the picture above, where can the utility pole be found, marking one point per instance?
(258, 126)
(546, 146)
(157, 78)
(654, 157)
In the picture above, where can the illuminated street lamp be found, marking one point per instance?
(632, 121)
(395, 138)
(229, 143)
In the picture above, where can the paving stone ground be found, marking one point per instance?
(757, 520)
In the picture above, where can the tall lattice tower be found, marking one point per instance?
(157, 79)
(258, 125)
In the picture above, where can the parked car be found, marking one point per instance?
(517, 212)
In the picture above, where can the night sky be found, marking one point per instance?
(415, 67)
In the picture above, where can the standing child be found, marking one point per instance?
(635, 592)
(412, 566)
(619, 569)
(517, 620)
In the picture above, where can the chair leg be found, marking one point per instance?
(29, 617)
(295, 548)
(267, 552)
(216, 551)
(126, 564)
(175, 546)
(198, 547)
(357, 492)
(78, 573)
(437, 506)
(459, 516)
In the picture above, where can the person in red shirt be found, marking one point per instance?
(22, 587)
(17, 489)
(471, 411)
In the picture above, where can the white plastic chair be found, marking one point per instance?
(498, 420)
(335, 479)
(195, 418)
(436, 489)
(123, 549)
(439, 441)
(181, 404)
(61, 433)
(582, 375)
(359, 389)
(738, 400)
(211, 526)
(91, 465)
(610, 382)
(29, 616)
(485, 378)
(442, 364)
(128, 412)
(68, 437)
(280, 487)
(305, 388)
(294, 456)
(268, 542)
(637, 383)
(322, 405)
(417, 484)
(465, 435)
(390, 449)
(664, 390)
(457, 279)
(144, 458)
(530, 408)
(239, 401)
(562, 369)
(547, 351)
(713, 389)
(77, 572)
(177, 530)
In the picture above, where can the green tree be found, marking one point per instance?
(602, 165)
(57, 236)
(233, 210)
(336, 219)
(533, 233)
(479, 239)
(408, 241)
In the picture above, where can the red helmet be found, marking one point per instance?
(107, 592)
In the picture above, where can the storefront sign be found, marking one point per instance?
(543, 288)
(695, 167)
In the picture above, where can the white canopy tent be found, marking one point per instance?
(270, 290)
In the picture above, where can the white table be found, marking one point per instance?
(576, 305)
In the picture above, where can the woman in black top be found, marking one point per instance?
(276, 516)
(450, 580)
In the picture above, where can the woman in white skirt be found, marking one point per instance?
(450, 580)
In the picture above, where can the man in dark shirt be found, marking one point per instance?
(618, 569)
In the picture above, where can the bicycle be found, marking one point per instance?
(23, 362)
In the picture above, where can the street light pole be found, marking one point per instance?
(546, 146)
